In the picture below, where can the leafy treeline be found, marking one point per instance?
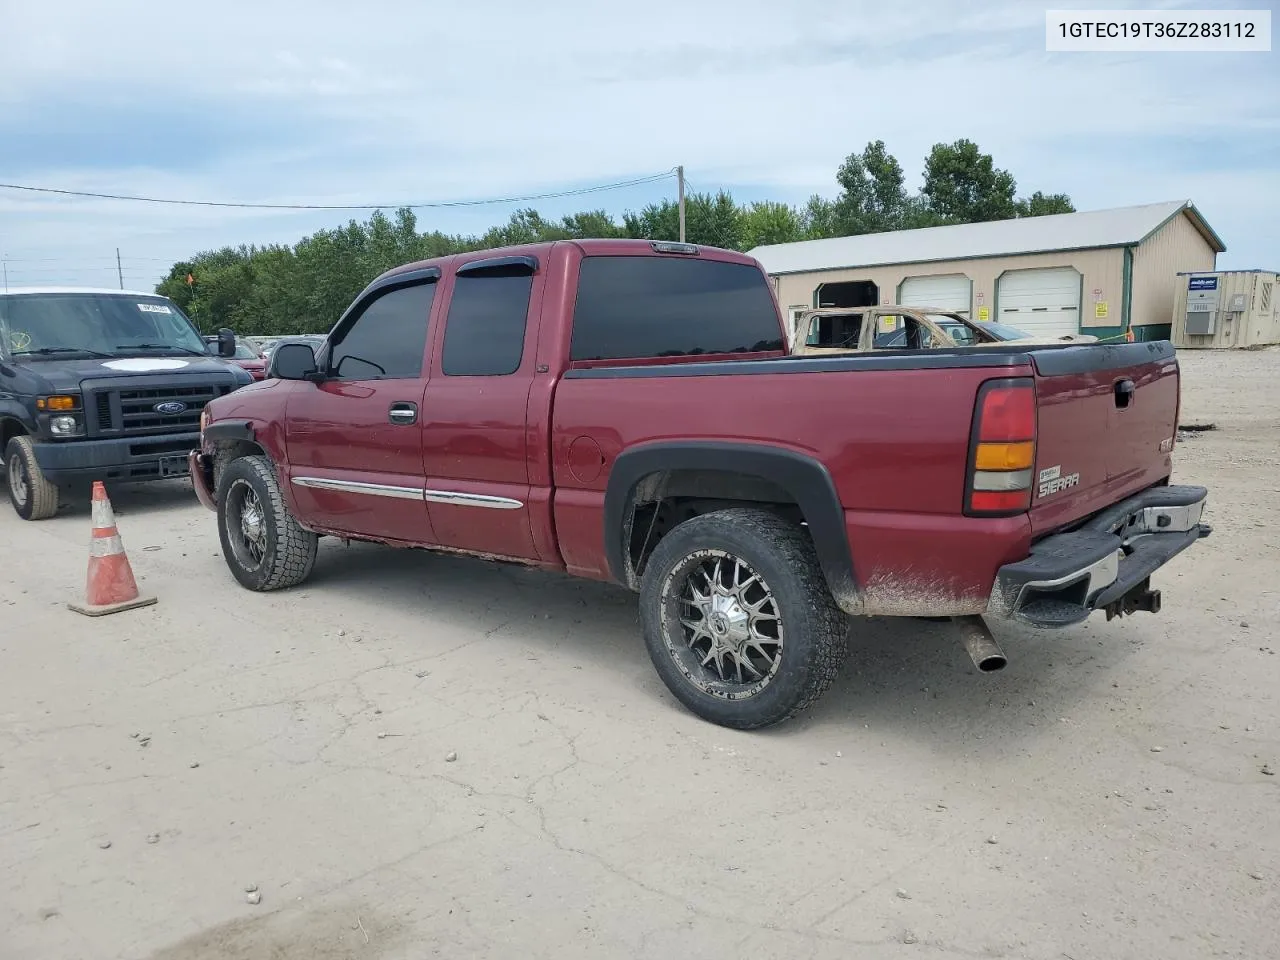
(303, 288)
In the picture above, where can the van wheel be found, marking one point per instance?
(738, 618)
(33, 497)
(263, 544)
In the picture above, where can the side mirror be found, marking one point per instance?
(292, 361)
(226, 343)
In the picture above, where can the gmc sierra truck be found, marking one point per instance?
(100, 385)
(626, 411)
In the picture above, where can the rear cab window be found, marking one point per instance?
(642, 307)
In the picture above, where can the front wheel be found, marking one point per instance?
(738, 619)
(33, 497)
(263, 544)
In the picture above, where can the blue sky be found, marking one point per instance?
(396, 101)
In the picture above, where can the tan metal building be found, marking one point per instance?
(1237, 308)
(1101, 272)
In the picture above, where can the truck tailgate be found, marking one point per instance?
(1106, 419)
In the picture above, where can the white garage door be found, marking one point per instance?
(1045, 303)
(946, 293)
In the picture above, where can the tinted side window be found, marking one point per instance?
(484, 335)
(633, 307)
(389, 337)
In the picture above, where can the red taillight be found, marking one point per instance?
(1002, 449)
(1007, 414)
(991, 501)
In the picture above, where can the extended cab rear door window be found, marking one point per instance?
(639, 307)
(388, 338)
(488, 313)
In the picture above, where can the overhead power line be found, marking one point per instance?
(357, 206)
(111, 260)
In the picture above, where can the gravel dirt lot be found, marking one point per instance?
(1105, 796)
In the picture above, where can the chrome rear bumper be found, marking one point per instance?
(1104, 565)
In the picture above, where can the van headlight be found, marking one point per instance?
(64, 426)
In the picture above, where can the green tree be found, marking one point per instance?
(656, 221)
(525, 226)
(305, 288)
(1039, 205)
(873, 195)
(713, 221)
(593, 224)
(818, 219)
(963, 185)
(768, 221)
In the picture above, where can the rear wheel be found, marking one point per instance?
(33, 497)
(738, 618)
(263, 544)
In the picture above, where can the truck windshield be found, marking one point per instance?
(63, 324)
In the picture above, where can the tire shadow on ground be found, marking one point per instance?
(907, 674)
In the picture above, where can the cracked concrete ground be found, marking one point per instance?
(298, 742)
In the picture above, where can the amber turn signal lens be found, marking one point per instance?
(57, 403)
(1005, 456)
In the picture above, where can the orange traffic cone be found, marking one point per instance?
(110, 586)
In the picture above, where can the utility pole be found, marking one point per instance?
(119, 270)
(680, 182)
(6, 275)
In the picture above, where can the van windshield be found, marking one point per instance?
(103, 324)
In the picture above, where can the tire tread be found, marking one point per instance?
(825, 625)
(42, 495)
(294, 549)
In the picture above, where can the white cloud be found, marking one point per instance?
(408, 101)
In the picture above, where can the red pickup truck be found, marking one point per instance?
(626, 411)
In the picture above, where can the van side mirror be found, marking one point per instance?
(226, 343)
(292, 361)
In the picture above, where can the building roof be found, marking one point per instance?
(1118, 227)
(20, 291)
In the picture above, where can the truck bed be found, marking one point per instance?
(894, 431)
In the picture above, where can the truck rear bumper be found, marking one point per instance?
(1104, 565)
(130, 459)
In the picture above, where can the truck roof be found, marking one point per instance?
(19, 291)
(594, 246)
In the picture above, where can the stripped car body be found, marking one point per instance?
(827, 330)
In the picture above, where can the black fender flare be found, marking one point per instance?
(804, 478)
(230, 430)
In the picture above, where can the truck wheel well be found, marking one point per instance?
(10, 428)
(653, 486)
(226, 452)
(666, 499)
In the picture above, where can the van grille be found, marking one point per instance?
(132, 412)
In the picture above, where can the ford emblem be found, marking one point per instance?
(170, 408)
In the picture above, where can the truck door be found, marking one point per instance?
(475, 442)
(354, 440)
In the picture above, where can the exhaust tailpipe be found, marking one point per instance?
(980, 644)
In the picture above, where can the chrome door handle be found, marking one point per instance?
(403, 413)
